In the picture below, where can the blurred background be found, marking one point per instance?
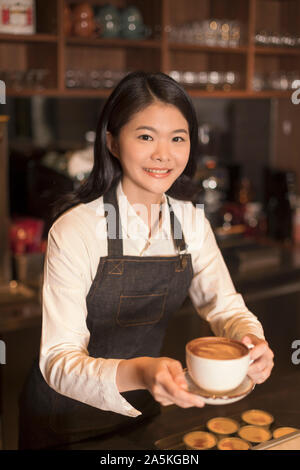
(239, 61)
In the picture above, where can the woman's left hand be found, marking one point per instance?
(262, 357)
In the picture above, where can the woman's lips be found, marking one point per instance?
(158, 174)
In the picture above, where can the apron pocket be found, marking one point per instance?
(141, 309)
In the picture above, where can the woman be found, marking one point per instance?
(123, 254)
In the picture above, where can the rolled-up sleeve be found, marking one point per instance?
(212, 291)
(64, 360)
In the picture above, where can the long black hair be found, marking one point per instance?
(134, 92)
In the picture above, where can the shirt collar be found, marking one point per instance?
(133, 226)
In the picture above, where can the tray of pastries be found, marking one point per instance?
(251, 430)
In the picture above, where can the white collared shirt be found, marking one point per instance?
(76, 242)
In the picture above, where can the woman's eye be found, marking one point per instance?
(145, 137)
(178, 139)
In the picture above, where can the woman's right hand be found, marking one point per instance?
(164, 378)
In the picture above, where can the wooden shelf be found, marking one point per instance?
(194, 92)
(28, 38)
(264, 50)
(239, 94)
(272, 94)
(32, 92)
(57, 52)
(200, 93)
(119, 43)
(200, 48)
(87, 93)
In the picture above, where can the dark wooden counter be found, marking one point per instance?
(279, 395)
(20, 325)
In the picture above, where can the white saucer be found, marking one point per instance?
(220, 398)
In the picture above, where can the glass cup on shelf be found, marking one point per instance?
(189, 78)
(235, 33)
(261, 38)
(294, 80)
(108, 80)
(70, 79)
(176, 75)
(258, 83)
(207, 80)
(273, 81)
(223, 33)
(202, 79)
(230, 80)
(213, 80)
(29, 79)
(198, 33)
(283, 81)
(288, 40)
(174, 33)
(40, 75)
(15, 79)
(278, 81)
(94, 79)
(274, 39)
(34, 79)
(210, 32)
(76, 78)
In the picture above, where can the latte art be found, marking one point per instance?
(217, 364)
(215, 350)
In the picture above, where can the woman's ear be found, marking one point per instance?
(112, 144)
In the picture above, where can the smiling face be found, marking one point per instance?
(153, 149)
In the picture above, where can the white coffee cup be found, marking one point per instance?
(217, 364)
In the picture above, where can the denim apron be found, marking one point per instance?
(129, 305)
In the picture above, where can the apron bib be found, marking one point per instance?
(129, 305)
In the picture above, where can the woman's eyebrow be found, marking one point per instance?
(149, 128)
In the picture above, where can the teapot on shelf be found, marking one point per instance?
(132, 24)
(108, 21)
(127, 23)
(83, 20)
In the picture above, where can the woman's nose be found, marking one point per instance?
(161, 152)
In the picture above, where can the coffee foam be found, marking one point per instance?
(219, 349)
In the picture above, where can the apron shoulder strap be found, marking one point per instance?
(113, 223)
(176, 229)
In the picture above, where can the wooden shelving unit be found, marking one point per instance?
(28, 38)
(119, 43)
(276, 51)
(208, 49)
(51, 49)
